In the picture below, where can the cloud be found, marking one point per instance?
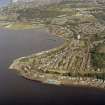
(15, 0)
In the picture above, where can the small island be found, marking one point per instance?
(80, 60)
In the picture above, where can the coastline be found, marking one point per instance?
(54, 78)
(71, 63)
(60, 80)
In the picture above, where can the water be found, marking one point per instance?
(15, 90)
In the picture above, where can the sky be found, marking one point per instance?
(3, 2)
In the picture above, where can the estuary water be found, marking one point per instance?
(15, 90)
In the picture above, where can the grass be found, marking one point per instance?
(20, 26)
(3, 17)
(17, 26)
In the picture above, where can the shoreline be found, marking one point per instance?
(53, 78)
(72, 59)
(61, 80)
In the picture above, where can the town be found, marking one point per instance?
(80, 59)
